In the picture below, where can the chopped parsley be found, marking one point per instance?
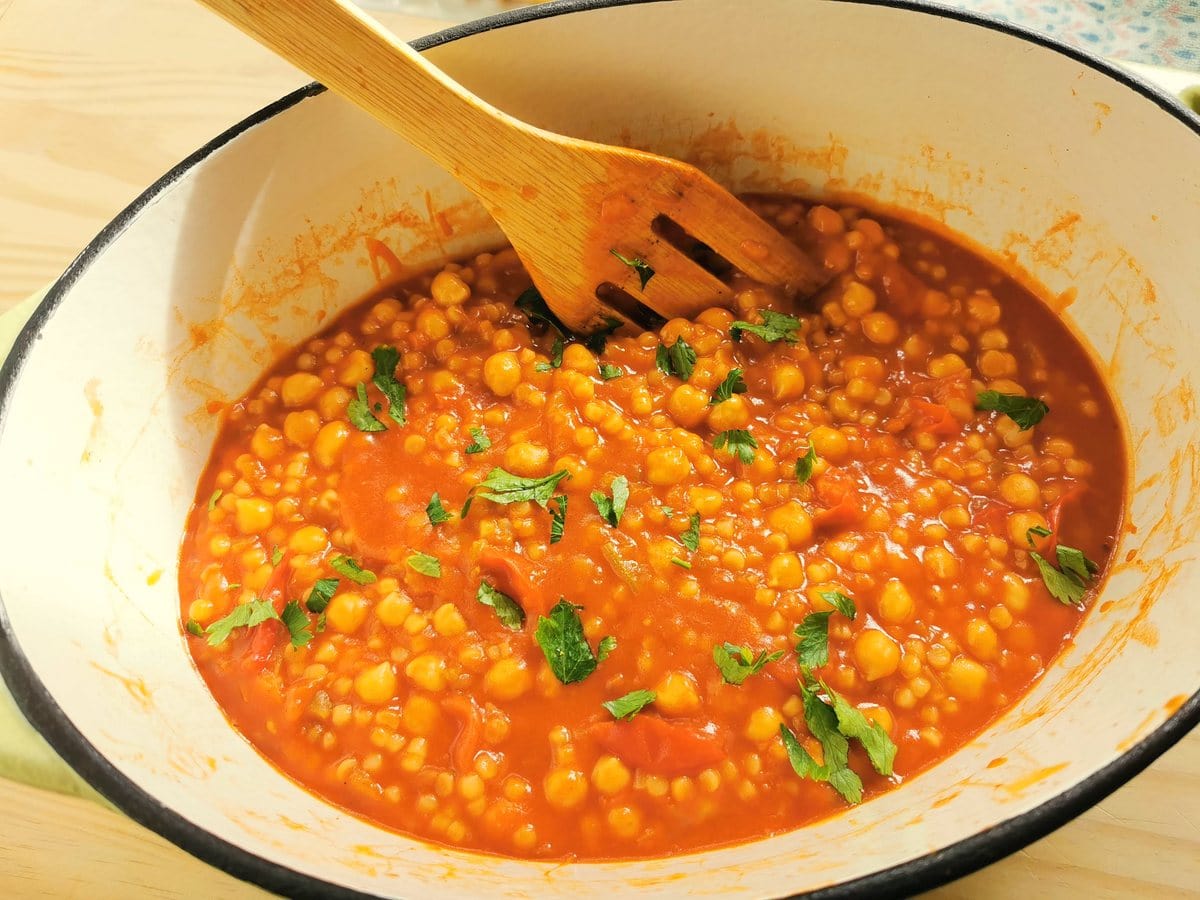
(1025, 411)
(597, 340)
(608, 371)
(775, 327)
(344, 565)
(739, 663)
(257, 611)
(558, 517)
(738, 442)
(679, 359)
(212, 501)
(321, 594)
(504, 487)
(733, 384)
(834, 723)
(804, 465)
(611, 509)
(507, 610)
(556, 355)
(193, 628)
(630, 705)
(535, 307)
(425, 564)
(1036, 531)
(359, 412)
(386, 359)
(480, 440)
(639, 265)
(691, 537)
(564, 645)
(682, 563)
(296, 622)
(435, 511)
(1069, 582)
(812, 634)
(276, 555)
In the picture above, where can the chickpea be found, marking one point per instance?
(1020, 491)
(982, 639)
(578, 358)
(433, 324)
(508, 679)
(1019, 524)
(829, 443)
(965, 678)
(764, 724)
(502, 373)
(793, 520)
(729, 414)
(858, 300)
(299, 388)
(376, 685)
(707, 501)
(526, 458)
(393, 609)
(667, 466)
(253, 515)
(880, 328)
(787, 382)
(308, 539)
(940, 564)
(896, 604)
(448, 621)
(688, 406)
(428, 671)
(332, 404)
(266, 443)
(448, 289)
(301, 427)
(876, 654)
(346, 612)
(565, 788)
(785, 571)
(356, 367)
(610, 775)
(420, 716)
(676, 694)
(331, 439)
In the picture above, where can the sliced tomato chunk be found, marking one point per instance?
(934, 418)
(664, 748)
(513, 576)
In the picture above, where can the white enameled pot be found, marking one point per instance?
(1058, 163)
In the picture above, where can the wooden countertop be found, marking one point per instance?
(97, 99)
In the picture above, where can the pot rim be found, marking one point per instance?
(913, 876)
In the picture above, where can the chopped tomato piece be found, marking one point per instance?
(266, 634)
(844, 505)
(664, 748)
(466, 742)
(1054, 514)
(513, 576)
(934, 418)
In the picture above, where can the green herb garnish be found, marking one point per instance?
(507, 610)
(386, 359)
(558, 517)
(812, 634)
(359, 412)
(504, 487)
(481, 441)
(296, 622)
(435, 512)
(344, 565)
(691, 537)
(611, 509)
(1025, 411)
(630, 705)
(1068, 583)
(1036, 531)
(556, 355)
(276, 555)
(739, 663)
(245, 615)
(682, 563)
(564, 645)
(425, 564)
(193, 628)
(804, 465)
(320, 595)
(639, 265)
(212, 501)
(608, 371)
(775, 327)
(733, 384)
(738, 442)
(679, 359)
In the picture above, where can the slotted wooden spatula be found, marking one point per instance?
(565, 204)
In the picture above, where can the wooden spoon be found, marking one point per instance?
(564, 204)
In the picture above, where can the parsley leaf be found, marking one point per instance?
(246, 615)
(739, 663)
(679, 359)
(691, 537)
(425, 564)
(606, 646)
(276, 555)
(296, 622)
(733, 384)
(386, 359)
(435, 511)
(630, 705)
(822, 723)
(812, 634)
(804, 465)
(639, 265)
(193, 628)
(1068, 583)
(507, 610)
(1025, 411)
(853, 724)
(504, 487)
(608, 371)
(738, 442)
(556, 355)
(611, 510)
(802, 762)
(212, 501)
(597, 340)
(344, 565)
(535, 307)
(558, 517)
(682, 563)
(481, 441)
(1036, 531)
(775, 327)
(359, 412)
(564, 645)
(321, 594)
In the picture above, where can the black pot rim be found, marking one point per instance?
(919, 874)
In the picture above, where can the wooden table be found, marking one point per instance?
(97, 99)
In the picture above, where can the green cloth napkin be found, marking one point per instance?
(24, 754)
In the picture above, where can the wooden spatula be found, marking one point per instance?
(565, 204)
